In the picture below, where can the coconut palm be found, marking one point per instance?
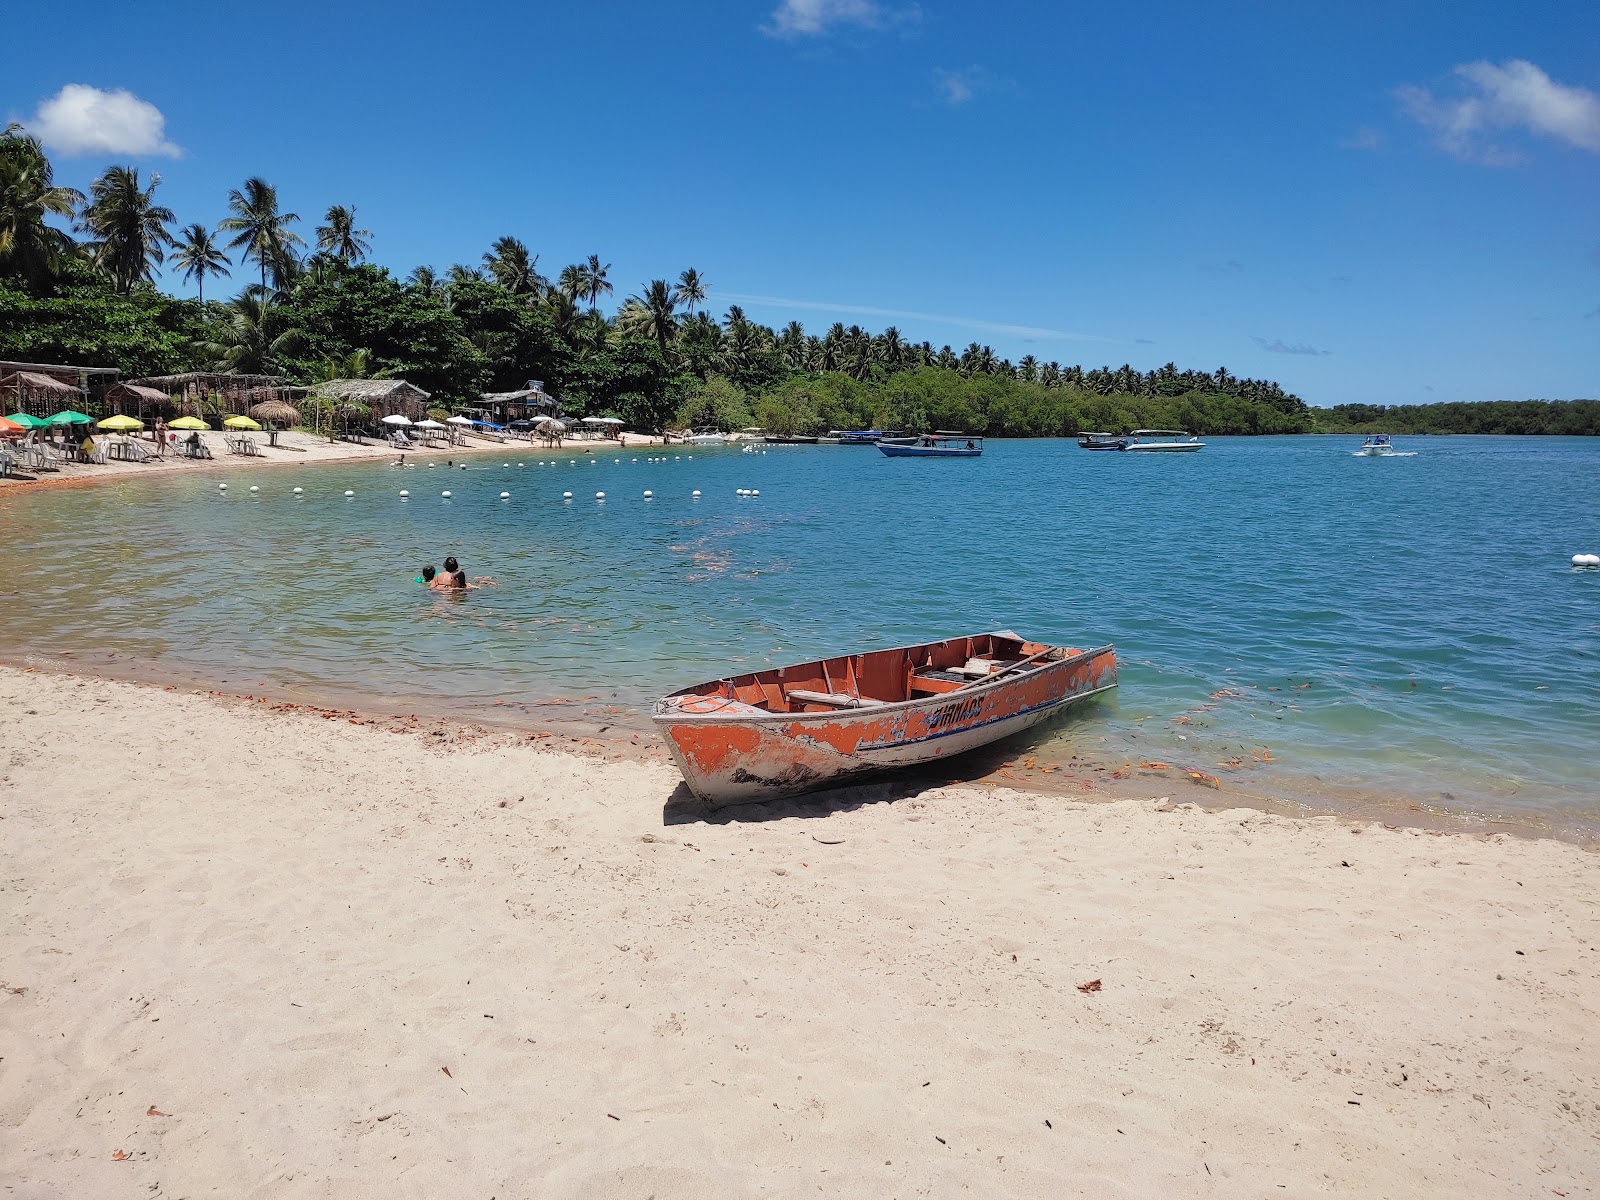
(197, 256)
(510, 265)
(242, 342)
(128, 228)
(659, 317)
(691, 290)
(340, 237)
(30, 249)
(424, 280)
(595, 283)
(460, 273)
(263, 232)
(569, 285)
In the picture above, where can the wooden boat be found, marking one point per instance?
(1162, 441)
(820, 724)
(943, 444)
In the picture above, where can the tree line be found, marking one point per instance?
(313, 308)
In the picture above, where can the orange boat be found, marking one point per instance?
(820, 724)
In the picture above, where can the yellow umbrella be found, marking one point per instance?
(188, 423)
(122, 423)
(241, 423)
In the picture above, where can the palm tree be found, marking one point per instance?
(128, 227)
(340, 237)
(30, 249)
(197, 256)
(563, 309)
(569, 285)
(263, 232)
(512, 268)
(691, 290)
(595, 283)
(460, 273)
(424, 280)
(659, 317)
(242, 343)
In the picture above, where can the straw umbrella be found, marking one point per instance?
(276, 412)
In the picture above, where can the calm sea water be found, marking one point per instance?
(1291, 618)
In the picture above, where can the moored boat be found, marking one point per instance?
(820, 724)
(1162, 441)
(1102, 441)
(784, 439)
(944, 443)
(706, 437)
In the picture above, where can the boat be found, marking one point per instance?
(1379, 445)
(1164, 443)
(866, 437)
(706, 437)
(785, 439)
(944, 443)
(1102, 441)
(821, 724)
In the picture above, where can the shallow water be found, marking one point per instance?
(1289, 617)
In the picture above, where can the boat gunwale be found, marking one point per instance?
(763, 716)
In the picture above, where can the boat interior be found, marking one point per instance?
(875, 678)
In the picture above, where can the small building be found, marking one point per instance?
(41, 389)
(529, 402)
(381, 397)
(194, 393)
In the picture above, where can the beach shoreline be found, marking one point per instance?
(278, 953)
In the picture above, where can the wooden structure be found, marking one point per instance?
(199, 393)
(820, 724)
(41, 389)
(380, 397)
(527, 404)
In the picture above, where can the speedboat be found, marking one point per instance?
(706, 437)
(1102, 441)
(1162, 441)
(866, 437)
(1378, 445)
(821, 724)
(944, 443)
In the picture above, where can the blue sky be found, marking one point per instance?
(1367, 202)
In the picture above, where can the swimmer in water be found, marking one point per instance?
(428, 574)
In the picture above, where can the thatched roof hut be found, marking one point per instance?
(275, 412)
(190, 389)
(380, 397)
(528, 401)
(134, 399)
(40, 389)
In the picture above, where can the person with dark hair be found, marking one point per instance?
(428, 574)
(451, 566)
(459, 580)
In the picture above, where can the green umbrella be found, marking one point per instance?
(69, 418)
(27, 420)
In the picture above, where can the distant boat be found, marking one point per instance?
(784, 439)
(1102, 441)
(1379, 445)
(820, 724)
(865, 437)
(942, 444)
(1163, 443)
(706, 437)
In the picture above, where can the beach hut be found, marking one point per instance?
(527, 402)
(45, 388)
(200, 393)
(380, 397)
(139, 400)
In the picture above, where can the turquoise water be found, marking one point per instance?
(1342, 627)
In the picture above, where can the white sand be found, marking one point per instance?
(278, 931)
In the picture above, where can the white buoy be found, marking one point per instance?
(743, 492)
(254, 488)
(647, 495)
(446, 495)
(348, 492)
(519, 464)
(566, 495)
(297, 491)
(222, 487)
(1586, 560)
(403, 493)
(755, 491)
(505, 495)
(505, 466)
(432, 465)
(599, 495)
(697, 493)
(616, 460)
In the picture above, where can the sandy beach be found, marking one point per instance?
(295, 447)
(263, 953)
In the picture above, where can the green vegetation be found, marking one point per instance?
(660, 360)
(1557, 417)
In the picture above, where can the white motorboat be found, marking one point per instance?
(706, 437)
(1378, 445)
(1162, 441)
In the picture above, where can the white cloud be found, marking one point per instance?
(80, 119)
(1515, 95)
(1363, 139)
(955, 86)
(812, 18)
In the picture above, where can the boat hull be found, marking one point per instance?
(1165, 448)
(898, 451)
(751, 756)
